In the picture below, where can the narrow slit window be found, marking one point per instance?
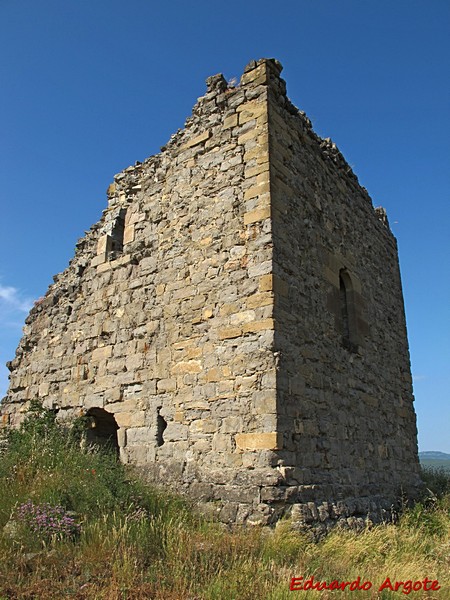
(347, 307)
(344, 310)
(117, 233)
(160, 428)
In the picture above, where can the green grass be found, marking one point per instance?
(139, 543)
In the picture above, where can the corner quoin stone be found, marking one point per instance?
(259, 441)
(236, 320)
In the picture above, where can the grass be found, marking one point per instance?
(139, 543)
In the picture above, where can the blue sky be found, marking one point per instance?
(89, 87)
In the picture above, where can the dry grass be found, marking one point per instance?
(203, 561)
(134, 544)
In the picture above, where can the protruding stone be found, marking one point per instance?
(216, 83)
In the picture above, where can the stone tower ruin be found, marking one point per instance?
(234, 323)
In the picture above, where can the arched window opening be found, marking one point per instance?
(102, 430)
(348, 321)
(160, 428)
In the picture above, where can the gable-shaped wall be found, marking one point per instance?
(238, 312)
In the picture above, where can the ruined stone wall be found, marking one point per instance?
(164, 317)
(204, 312)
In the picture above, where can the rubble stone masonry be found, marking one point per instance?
(237, 314)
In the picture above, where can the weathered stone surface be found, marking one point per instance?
(237, 314)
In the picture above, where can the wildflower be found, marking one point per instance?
(47, 521)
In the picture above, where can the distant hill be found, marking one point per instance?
(434, 454)
(435, 459)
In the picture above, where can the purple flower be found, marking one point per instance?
(47, 521)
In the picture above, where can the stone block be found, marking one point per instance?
(201, 491)
(229, 308)
(214, 374)
(244, 316)
(207, 313)
(130, 419)
(190, 366)
(229, 333)
(103, 244)
(261, 299)
(238, 494)
(101, 353)
(130, 405)
(138, 454)
(140, 435)
(254, 191)
(256, 215)
(222, 442)
(128, 234)
(175, 432)
(199, 139)
(266, 282)
(93, 401)
(229, 512)
(258, 76)
(122, 438)
(230, 121)
(166, 385)
(247, 136)
(264, 402)
(202, 426)
(256, 326)
(206, 241)
(259, 169)
(251, 111)
(194, 352)
(44, 389)
(148, 265)
(259, 441)
(231, 424)
(98, 260)
(134, 362)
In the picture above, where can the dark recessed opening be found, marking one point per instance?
(102, 430)
(348, 316)
(117, 235)
(160, 428)
(344, 311)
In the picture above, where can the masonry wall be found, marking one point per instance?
(204, 313)
(344, 401)
(164, 317)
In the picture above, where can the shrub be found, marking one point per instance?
(437, 480)
(44, 463)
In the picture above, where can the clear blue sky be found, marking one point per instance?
(89, 87)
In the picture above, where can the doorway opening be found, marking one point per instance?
(102, 430)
